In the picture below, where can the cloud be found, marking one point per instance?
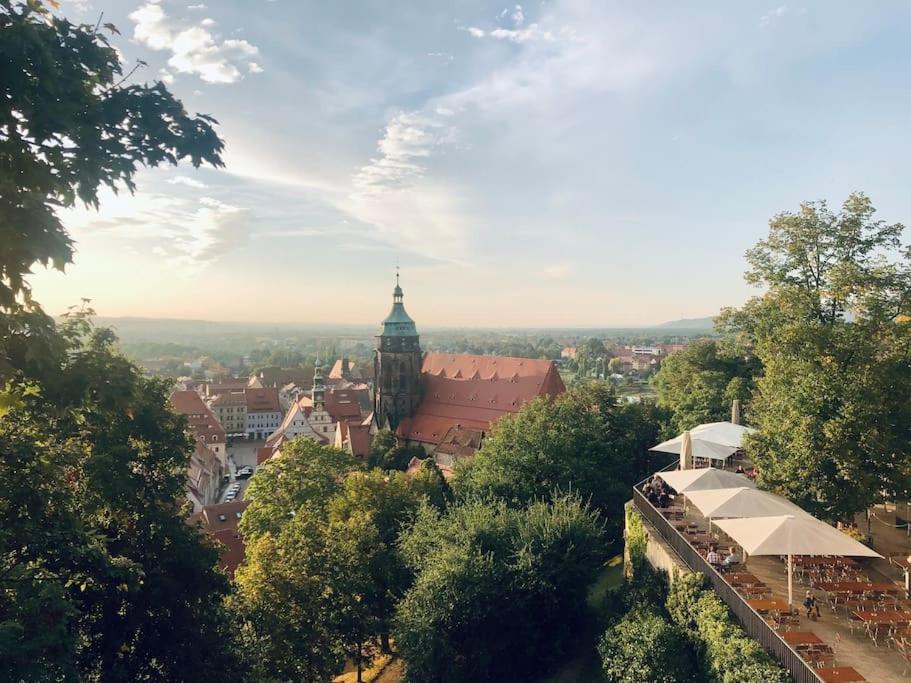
(556, 271)
(199, 7)
(254, 68)
(407, 140)
(772, 15)
(194, 49)
(515, 35)
(186, 180)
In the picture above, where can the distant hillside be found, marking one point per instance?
(689, 324)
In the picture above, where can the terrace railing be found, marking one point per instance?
(752, 622)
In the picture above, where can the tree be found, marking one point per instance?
(387, 453)
(306, 472)
(832, 405)
(645, 646)
(71, 125)
(499, 592)
(579, 441)
(699, 383)
(101, 575)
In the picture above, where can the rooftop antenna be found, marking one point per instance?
(396, 274)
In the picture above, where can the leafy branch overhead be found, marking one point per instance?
(68, 126)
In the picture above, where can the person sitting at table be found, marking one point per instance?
(732, 558)
(663, 500)
(811, 605)
(713, 558)
(740, 470)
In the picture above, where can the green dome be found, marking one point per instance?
(398, 323)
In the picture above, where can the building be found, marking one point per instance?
(208, 462)
(569, 353)
(447, 402)
(203, 423)
(220, 521)
(355, 436)
(230, 407)
(264, 412)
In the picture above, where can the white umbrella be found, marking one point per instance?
(791, 535)
(714, 440)
(686, 452)
(743, 501)
(684, 481)
(701, 448)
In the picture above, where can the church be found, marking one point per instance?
(447, 402)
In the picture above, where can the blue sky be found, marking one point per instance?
(553, 163)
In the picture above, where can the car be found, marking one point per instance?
(234, 488)
(244, 473)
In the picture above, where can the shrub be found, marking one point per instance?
(728, 654)
(645, 646)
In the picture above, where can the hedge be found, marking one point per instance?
(729, 655)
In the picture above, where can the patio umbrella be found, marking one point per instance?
(791, 535)
(684, 481)
(743, 501)
(686, 452)
(716, 441)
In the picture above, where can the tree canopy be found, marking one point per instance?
(832, 404)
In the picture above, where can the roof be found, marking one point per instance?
(359, 439)
(461, 441)
(276, 377)
(220, 522)
(344, 403)
(415, 464)
(263, 454)
(356, 370)
(398, 323)
(262, 400)
(202, 421)
(470, 392)
(230, 398)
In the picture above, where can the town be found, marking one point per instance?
(454, 343)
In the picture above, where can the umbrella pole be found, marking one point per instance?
(790, 580)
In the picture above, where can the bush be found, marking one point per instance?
(728, 654)
(645, 646)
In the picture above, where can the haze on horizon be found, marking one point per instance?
(557, 164)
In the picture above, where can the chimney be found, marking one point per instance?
(735, 411)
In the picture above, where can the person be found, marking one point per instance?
(811, 605)
(740, 470)
(713, 558)
(732, 558)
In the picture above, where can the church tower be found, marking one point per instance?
(397, 364)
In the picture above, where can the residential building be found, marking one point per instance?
(230, 407)
(203, 423)
(569, 353)
(220, 521)
(208, 462)
(263, 412)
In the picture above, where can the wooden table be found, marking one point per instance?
(886, 617)
(838, 674)
(769, 605)
(809, 561)
(797, 638)
(742, 578)
(857, 587)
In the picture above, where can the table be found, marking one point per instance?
(838, 674)
(886, 617)
(797, 638)
(768, 605)
(857, 587)
(810, 561)
(743, 578)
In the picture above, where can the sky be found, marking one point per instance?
(557, 163)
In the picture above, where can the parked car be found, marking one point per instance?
(244, 473)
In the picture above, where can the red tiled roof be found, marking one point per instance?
(202, 421)
(343, 403)
(472, 392)
(220, 521)
(263, 454)
(230, 398)
(359, 438)
(262, 400)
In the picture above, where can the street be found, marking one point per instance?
(241, 453)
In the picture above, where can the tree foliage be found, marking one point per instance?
(70, 124)
(101, 576)
(699, 383)
(833, 406)
(499, 592)
(582, 441)
(645, 646)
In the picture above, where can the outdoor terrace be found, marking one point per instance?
(863, 633)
